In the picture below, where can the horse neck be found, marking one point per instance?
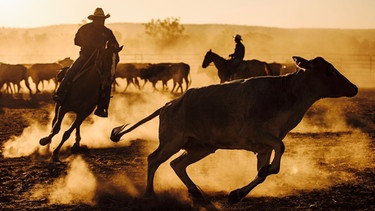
(220, 64)
(218, 61)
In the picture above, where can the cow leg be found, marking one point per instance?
(136, 83)
(180, 164)
(36, 86)
(277, 145)
(128, 81)
(263, 161)
(155, 159)
(27, 86)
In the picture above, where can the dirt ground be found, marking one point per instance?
(20, 177)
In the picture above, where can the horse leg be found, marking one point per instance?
(77, 148)
(78, 137)
(263, 163)
(66, 135)
(180, 164)
(56, 126)
(57, 110)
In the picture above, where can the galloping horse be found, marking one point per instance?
(84, 95)
(247, 69)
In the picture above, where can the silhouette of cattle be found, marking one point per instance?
(13, 73)
(130, 72)
(41, 72)
(252, 114)
(164, 72)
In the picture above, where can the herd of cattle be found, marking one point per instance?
(11, 75)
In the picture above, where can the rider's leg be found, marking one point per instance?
(65, 84)
(103, 103)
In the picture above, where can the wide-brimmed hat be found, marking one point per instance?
(99, 13)
(237, 36)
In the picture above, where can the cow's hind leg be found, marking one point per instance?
(155, 159)
(179, 165)
(263, 163)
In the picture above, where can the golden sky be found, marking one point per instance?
(273, 13)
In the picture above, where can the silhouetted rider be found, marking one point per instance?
(89, 37)
(239, 53)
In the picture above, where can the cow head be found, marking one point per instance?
(327, 80)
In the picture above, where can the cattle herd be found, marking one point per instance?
(11, 75)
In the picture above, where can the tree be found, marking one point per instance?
(165, 32)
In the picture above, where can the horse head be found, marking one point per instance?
(108, 58)
(208, 58)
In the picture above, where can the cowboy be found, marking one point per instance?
(239, 53)
(89, 37)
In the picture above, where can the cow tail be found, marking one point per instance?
(117, 132)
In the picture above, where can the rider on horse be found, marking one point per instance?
(90, 37)
(239, 53)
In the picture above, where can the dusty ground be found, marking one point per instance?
(20, 177)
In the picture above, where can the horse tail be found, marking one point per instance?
(117, 132)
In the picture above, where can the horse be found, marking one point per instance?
(83, 96)
(247, 69)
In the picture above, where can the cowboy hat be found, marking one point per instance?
(237, 37)
(99, 13)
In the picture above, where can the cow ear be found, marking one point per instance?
(302, 63)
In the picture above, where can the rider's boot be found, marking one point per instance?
(103, 103)
(61, 92)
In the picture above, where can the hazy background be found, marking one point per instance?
(350, 50)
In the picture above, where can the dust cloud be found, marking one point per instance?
(80, 185)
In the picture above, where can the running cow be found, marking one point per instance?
(250, 114)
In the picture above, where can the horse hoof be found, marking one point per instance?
(79, 150)
(55, 159)
(234, 197)
(44, 141)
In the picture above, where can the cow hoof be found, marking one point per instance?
(234, 196)
(44, 141)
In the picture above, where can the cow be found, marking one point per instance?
(252, 114)
(66, 62)
(164, 72)
(14, 73)
(130, 73)
(44, 72)
(180, 71)
(157, 72)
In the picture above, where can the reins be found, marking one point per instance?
(83, 70)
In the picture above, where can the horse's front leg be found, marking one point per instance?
(56, 126)
(76, 124)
